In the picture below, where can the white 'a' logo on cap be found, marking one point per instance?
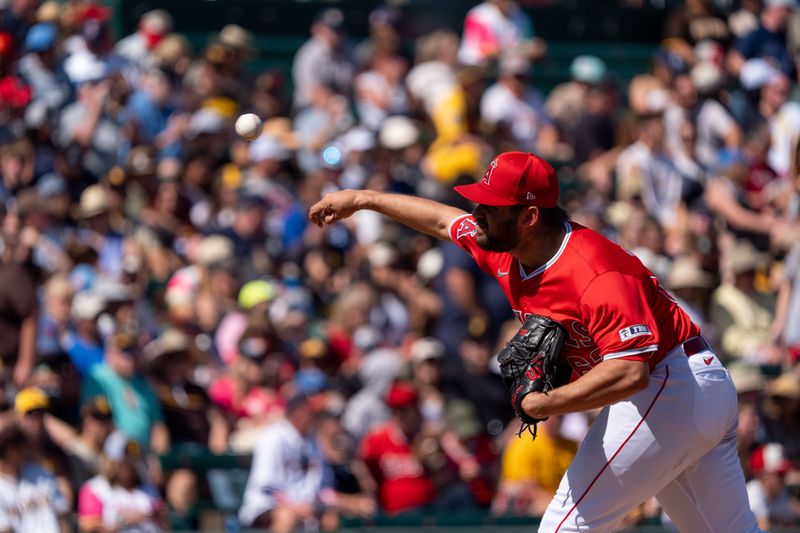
(488, 176)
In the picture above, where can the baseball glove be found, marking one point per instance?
(530, 363)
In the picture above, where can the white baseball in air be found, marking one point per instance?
(248, 126)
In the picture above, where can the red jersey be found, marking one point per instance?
(402, 481)
(610, 305)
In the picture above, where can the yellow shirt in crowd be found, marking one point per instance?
(544, 460)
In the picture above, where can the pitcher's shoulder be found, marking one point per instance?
(600, 254)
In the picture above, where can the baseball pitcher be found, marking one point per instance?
(598, 331)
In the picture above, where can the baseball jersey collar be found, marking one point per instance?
(524, 276)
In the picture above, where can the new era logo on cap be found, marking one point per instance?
(515, 178)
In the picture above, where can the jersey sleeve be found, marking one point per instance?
(462, 233)
(618, 317)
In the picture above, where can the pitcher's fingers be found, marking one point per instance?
(315, 210)
(316, 214)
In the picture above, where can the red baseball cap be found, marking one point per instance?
(770, 458)
(401, 394)
(515, 178)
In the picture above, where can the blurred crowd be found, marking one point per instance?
(162, 292)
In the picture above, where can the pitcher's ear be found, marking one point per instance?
(531, 215)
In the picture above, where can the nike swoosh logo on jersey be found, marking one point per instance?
(500, 273)
(707, 360)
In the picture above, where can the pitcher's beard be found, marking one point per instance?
(507, 242)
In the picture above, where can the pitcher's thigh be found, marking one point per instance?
(710, 495)
(618, 466)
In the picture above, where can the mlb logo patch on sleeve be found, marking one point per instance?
(633, 331)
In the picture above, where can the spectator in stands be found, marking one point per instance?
(434, 84)
(229, 51)
(384, 34)
(189, 415)
(691, 287)
(471, 473)
(531, 471)
(82, 339)
(47, 252)
(781, 406)
(566, 103)
(242, 393)
(87, 125)
(427, 356)
(782, 116)
(96, 230)
(768, 41)
(55, 314)
(787, 312)
(471, 379)
(769, 497)
(57, 377)
(595, 132)
(393, 459)
(694, 22)
(286, 478)
(194, 423)
(151, 108)
(350, 311)
(138, 47)
(349, 486)
(680, 128)
(645, 170)
(30, 407)
(750, 383)
(746, 436)
(513, 105)
(397, 297)
(642, 235)
(265, 179)
(326, 116)
(743, 21)
(17, 18)
(30, 494)
(119, 497)
(494, 27)
(324, 60)
(742, 315)
(379, 91)
(367, 408)
(84, 448)
(715, 127)
(471, 301)
(134, 404)
(42, 71)
(18, 313)
(726, 196)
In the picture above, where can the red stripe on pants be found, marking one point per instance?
(615, 453)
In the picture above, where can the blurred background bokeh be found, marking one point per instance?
(181, 350)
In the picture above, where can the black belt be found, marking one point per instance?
(695, 345)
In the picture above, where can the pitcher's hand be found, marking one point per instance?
(334, 206)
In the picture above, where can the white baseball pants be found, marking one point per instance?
(676, 440)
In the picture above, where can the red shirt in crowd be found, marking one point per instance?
(610, 305)
(402, 482)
